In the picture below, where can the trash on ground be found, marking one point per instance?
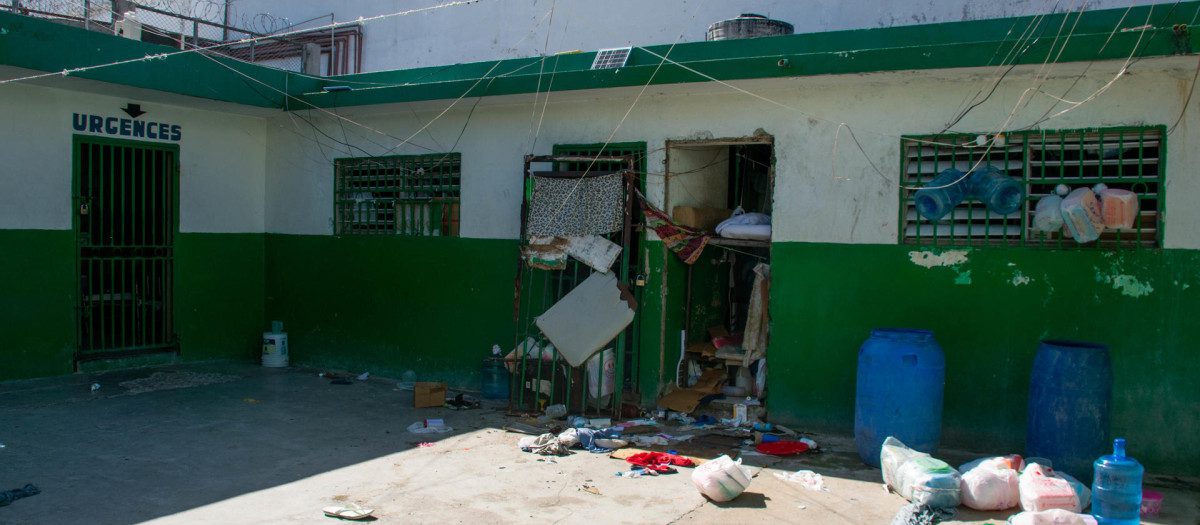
(686, 400)
(635, 473)
(364, 376)
(9, 496)
(919, 478)
(658, 461)
(424, 444)
(648, 441)
(991, 483)
(591, 489)
(95, 387)
(1151, 502)
(1051, 517)
(721, 479)
(407, 380)
(522, 428)
(545, 444)
(782, 448)
(351, 511)
(427, 395)
(806, 478)
(1043, 488)
(462, 402)
(426, 426)
(556, 411)
(918, 514)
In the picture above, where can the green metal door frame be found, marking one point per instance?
(160, 258)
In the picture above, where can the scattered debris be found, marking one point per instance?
(251, 400)
(95, 387)
(351, 511)
(424, 444)
(590, 489)
(426, 426)
(172, 380)
(462, 402)
(806, 478)
(9, 496)
(721, 479)
(364, 376)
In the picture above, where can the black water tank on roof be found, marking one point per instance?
(748, 25)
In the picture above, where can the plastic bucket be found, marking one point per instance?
(275, 349)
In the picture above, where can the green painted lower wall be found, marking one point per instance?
(219, 286)
(37, 303)
(386, 304)
(989, 312)
(218, 301)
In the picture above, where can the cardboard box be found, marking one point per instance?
(705, 219)
(429, 395)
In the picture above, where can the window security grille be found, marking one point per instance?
(1121, 158)
(414, 195)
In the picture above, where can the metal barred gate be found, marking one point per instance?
(125, 208)
(541, 379)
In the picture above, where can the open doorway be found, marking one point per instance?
(725, 187)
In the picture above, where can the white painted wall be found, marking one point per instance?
(222, 160)
(493, 29)
(821, 196)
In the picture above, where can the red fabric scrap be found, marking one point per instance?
(781, 448)
(659, 461)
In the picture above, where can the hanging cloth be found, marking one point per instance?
(686, 242)
(755, 341)
(572, 207)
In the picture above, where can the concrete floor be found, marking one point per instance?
(245, 444)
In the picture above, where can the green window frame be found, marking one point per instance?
(1131, 158)
(409, 195)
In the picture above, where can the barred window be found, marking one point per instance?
(414, 195)
(1119, 158)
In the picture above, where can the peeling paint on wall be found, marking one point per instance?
(946, 258)
(1020, 278)
(1129, 285)
(963, 278)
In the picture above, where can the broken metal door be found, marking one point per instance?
(125, 207)
(542, 377)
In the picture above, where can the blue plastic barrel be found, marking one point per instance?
(901, 376)
(495, 379)
(1070, 395)
(1117, 488)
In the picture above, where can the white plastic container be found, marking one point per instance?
(275, 346)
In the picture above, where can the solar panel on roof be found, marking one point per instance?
(611, 58)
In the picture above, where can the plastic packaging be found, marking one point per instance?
(1151, 502)
(721, 479)
(1119, 208)
(991, 483)
(935, 201)
(1051, 517)
(426, 426)
(1047, 216)
(556, 411)
(407, 380)
(1042, 488)
(1081, 213)
(999, 192)
(1117, 487)
(919, 478)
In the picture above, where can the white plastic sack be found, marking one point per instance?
(1081, 490)
(991, 483)
(426, 426)
(1043, 489)
(1051, 517)
(721, 479)
(919, 478)
(602, 373)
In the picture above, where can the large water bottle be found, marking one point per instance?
(937, 198)
(1117, 488)
(1002, 194)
